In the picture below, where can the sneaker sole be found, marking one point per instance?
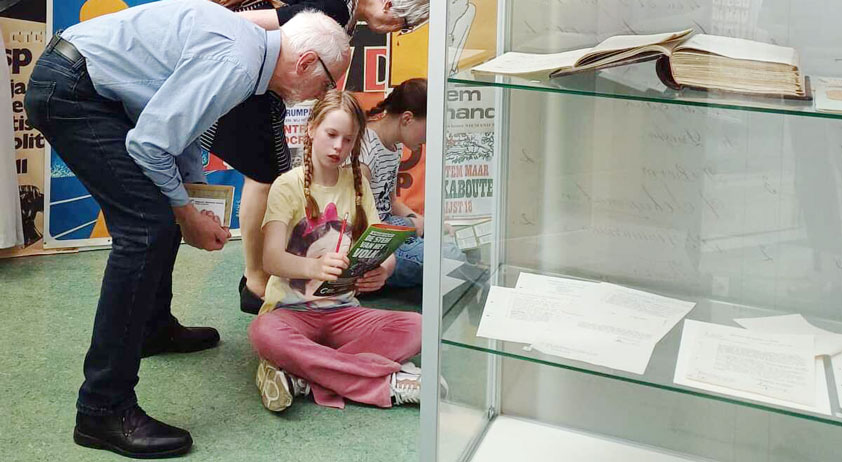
(273, 394)
(95, 443)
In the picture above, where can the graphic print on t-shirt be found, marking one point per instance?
(314, 238)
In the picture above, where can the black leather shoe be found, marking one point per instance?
(180, 339)
(249, 301)
(131, 434)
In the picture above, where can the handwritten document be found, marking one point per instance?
(827, 343)
(774, 368)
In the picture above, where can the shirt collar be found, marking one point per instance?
(270, 60)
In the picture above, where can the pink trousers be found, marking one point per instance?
(344, 353)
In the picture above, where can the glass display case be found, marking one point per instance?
(652, 198)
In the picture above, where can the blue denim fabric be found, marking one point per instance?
(89, 132)
(409, 267)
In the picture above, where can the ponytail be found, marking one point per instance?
(410, 95)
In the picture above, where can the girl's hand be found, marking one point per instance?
(329, 266)
(373, 280)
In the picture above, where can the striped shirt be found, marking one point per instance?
(383, 164)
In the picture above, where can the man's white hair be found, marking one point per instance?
(311, 30)
(414, 12)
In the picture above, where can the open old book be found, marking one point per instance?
(701, 61)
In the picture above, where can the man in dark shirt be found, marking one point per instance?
(251, 138)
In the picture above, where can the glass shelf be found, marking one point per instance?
(638, 82)
(461, 323)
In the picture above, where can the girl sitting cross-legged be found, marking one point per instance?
(329, 347)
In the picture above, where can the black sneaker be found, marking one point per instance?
(132, 434)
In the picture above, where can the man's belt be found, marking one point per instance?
(64, 48)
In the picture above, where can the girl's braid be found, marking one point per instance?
(311, 208)
(360, 220)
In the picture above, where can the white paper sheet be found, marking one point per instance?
(516, 315)
(602, 324)
(659, 313)
(827, 342)
(687, 366)
(836, 362)
(614, 327)
(617, 348)
(827, 92)
(572, 289)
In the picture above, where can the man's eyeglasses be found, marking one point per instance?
(332, 84)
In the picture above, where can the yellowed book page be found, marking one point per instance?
(530, 64)
(735, 48)
(618, 43)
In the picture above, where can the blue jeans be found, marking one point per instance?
(409, 266)
(89, 132)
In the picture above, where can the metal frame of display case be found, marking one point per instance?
(437, 70)
(438, 79)
(431, 323)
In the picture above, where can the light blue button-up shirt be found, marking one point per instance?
(177, 66)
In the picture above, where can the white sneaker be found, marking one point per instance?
(277, 388)
(411, 368)
(405, 388)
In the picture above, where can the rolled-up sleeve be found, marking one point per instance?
(197, 93)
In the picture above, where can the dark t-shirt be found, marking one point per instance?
(339, 10)
(250, 137)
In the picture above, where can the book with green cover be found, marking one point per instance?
(370, 251)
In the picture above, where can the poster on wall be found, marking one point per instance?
(469, 172)
(24, 32)
(469, 163)
(469, 160)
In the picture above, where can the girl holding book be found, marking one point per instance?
(329, 347)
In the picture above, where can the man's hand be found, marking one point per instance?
(373, 280)
(329, 266)
(200, 230)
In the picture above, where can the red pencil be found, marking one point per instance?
(342, 231)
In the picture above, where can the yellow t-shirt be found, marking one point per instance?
(313, 238)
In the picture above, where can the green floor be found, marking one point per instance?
(47, 311)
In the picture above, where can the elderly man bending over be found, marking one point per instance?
(123, 99)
